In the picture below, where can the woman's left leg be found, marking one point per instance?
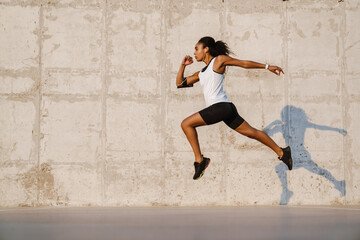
(261, 136)
(188, 125)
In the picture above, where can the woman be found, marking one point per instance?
(218, 107)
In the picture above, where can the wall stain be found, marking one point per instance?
(334, 26)
(40, 181)
(298, 30)
(316, 32)
(245, 36)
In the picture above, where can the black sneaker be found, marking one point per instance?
(286, 158)
(200, 167)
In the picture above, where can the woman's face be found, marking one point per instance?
(200, 52)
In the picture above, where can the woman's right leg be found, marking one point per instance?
(207, 116)
(189, 125)
(261, 136)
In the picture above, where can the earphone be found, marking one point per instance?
(204, 55)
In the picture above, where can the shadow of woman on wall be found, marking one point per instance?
(293, 125)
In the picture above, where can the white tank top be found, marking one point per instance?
(212, 84)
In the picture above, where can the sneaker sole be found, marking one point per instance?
(289, 167)
(291, 161)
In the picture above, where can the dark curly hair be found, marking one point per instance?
(215, 48)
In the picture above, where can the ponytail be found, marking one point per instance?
(215, 48)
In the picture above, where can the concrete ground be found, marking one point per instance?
(253, 222)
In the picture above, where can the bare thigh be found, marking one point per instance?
(193, 120)
(246, 129)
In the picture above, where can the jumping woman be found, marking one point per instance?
(218, 107)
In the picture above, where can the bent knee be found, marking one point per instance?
(184, 124)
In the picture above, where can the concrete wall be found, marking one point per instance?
(90, 114)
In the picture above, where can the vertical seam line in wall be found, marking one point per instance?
(163, 37)
(343, 110)
(223, 29)
(104, 71)
(286, 55)
(40, 39)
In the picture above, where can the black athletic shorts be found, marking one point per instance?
(222, 111)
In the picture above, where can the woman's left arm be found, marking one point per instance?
(223, 60)
(229, 61)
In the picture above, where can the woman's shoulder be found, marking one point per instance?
(220, 60)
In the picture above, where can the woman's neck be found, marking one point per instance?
(207, 59)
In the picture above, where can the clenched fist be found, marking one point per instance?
(187, 60)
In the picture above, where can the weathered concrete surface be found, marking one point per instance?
(251, 222)
(90, 114)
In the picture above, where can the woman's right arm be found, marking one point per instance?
(180, 76)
